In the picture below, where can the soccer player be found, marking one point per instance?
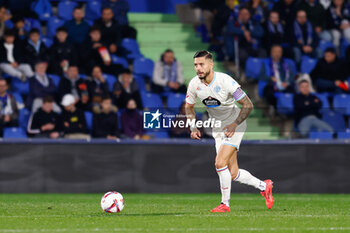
(219, 92)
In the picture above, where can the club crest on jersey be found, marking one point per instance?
(211, 102)
(217, 89)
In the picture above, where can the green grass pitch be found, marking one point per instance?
(174, 213)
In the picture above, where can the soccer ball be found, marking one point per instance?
(112, 202)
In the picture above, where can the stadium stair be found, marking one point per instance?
(158, 32)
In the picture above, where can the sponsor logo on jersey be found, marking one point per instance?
(211, 102)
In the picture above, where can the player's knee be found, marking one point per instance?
(219, 163)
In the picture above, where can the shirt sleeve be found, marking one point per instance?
(191, 93)
(234, 89)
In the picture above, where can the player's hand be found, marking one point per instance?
(196, 135)
(230, 130)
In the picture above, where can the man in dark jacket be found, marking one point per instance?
(307, 111)
(62, 53)
(97, 87)
(330, 73)
(34, 49)
(287, 10)
(8, 108)
(45, 123)
(78, 28)
(105, 124)
(315, 14)
(274, 31)
(11, 58)
(74, 122)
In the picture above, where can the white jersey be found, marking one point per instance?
(219, 96)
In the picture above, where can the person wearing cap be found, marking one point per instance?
(73, 118)
(11, 58)
(330, 73)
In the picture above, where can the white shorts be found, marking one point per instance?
(235, 140)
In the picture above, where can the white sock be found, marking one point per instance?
(225, 184)
(244, 177)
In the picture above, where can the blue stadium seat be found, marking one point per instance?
(14, 132)
(52, 24)
(120, 60)
(19, 86)
(324, 99)
(119, 117)
(43, 9)
(140, 82)
(93, 10)
(30, 23)
(307, 64)
(334, 119)
(343, 135)
(323, 45)
(285, 103)
(55, 78)
(253, 67)
(23, 118)
(132, 47)
(292, 64)
(18, 97)
(88, 118)
(151, 100)
(47, 41)
(175, 100)
(321, 135)
(341, 103)
(110, 79)
(65, 9)
(261, 87)
(343, 46)
(143, 66)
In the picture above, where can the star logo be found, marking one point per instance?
(156, 115)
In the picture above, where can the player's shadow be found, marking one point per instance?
(140, 215)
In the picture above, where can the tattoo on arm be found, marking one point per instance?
(247, 107)
(190, 113)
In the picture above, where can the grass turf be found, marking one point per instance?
(174, 213)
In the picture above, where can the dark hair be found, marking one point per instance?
(203, 53)
(95, 28)
(17, 19)
(77, 8)
(34, 30)
(106, 8)
(62, 29)
(48, 99)
(330, 50)
(106, 97)
(244, 8)
(126, 71)
(9, 32)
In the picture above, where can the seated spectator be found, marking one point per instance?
(304, 39)
(19, 28)
(40, 85)
(132, 121)
(105, 123)
(125, 89)
(71, 83)
(274, 31)
(307, 111)
(11, 58)
(8, 108)
(221, 15)
(338, 21)
(316, 15)
(180, 132)
(258, 10)
(73, 118)
(110, 29)
(278, 73)
(249, 35)
(96, 53)
(34, 49)
(78, 28)
(330, 73)
(97, 88)
(168, 74)
(45, 123)
(4, 16)
(62, 53)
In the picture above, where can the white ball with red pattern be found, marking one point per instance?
(112, 202)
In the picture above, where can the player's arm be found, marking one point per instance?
(191, 115)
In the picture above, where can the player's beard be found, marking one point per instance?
(205, 75)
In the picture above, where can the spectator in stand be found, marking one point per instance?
(11, 58)
(287, 10)
(279, 75)
(258, 10)
(45, 123)
(274, 31)
(96, 53)
(177, 131)
(307, 111)
(73, 118)
(20, 29)
(110, 30)
(249, 35)
(34, 49)
(338, 21)
(97, 88)
(316, 15)
(168, 74)
(78, 28)
(62, 53)
(8, 108)
(125, 89)
(132, 121)
(40, 85)
(71, 83)
(4, 16)
(105, 124)
(304, 38)
(221, 15)
(330, 73)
